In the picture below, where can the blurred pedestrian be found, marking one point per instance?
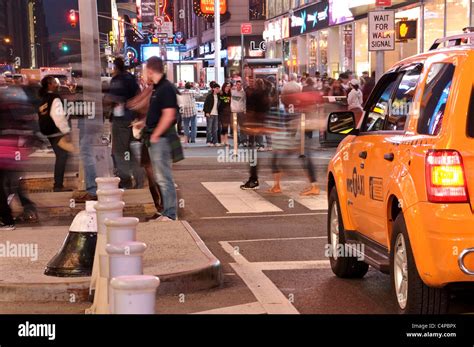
(238, 105)
(55, 126)
(123, 87)
(258, 105)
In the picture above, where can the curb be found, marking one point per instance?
(77, 289)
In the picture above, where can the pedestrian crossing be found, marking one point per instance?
(236, 200)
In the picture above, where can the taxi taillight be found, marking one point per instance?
(445, 178)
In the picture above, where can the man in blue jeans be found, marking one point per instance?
(160, 122)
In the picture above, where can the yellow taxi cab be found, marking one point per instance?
(401, 185)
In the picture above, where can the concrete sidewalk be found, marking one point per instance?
(138, 203)
(175, 254)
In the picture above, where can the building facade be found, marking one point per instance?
(14, 36)
(339, 40)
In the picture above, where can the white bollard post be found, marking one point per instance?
(107, 183)
(99, 279)
(110, 195)
(135, 294)
(125, 259)
(104, 184)
(123, 229)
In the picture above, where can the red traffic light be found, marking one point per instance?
(72, 18)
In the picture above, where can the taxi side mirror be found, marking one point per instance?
(342, 123)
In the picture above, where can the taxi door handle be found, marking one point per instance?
(363, 155)
(389, 156)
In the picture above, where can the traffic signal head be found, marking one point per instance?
(63, 46)
(72, 18)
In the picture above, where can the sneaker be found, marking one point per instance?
(163, 219)
(250, 185)
(7, 227)
(210, 145)
(261, 149)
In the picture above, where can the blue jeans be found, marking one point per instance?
(86, 139)
(186, 123)
(160, 155)
(212, 129)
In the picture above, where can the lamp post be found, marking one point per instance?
(217, 39)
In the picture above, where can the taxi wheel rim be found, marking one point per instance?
(334, 230)
(401, 271)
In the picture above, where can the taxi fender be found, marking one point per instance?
(336, 168)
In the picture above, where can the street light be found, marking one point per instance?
(7, 40)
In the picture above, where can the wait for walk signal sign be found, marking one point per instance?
(382, 31)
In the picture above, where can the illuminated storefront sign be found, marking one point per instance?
(339, 12)
(311, 18)
(205, 8)
(275, 29)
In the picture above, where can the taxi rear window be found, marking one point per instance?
(470, 116)
(435, 98)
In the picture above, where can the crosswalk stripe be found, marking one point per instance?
(292, 189)
(236, 200)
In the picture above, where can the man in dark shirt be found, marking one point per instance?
(160, 122)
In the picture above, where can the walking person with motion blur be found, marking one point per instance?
(55, 126)
(123, 87)
(238, 105)
(258, 105)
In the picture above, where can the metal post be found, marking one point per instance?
(242, 54)
(217, 39)
(302, 134)
(92, 92)
(234, 134)
(379, 58)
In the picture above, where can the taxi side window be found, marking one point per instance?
(435, 98)
(402, 101)
(378, 110)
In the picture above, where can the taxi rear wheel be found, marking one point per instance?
(412, 295)
(344, 267)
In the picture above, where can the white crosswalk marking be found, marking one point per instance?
(236, 200)
(292, 189)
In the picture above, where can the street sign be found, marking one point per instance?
(246, 28)
(167, 28)
(158, 20)
(383, 3)
(182, 48)
(381, 31)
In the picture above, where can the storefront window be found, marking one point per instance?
(323, 51)
(457, 16)
(434, 22)
(361, 54)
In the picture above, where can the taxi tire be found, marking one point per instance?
(421, 299)
(345, 267)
